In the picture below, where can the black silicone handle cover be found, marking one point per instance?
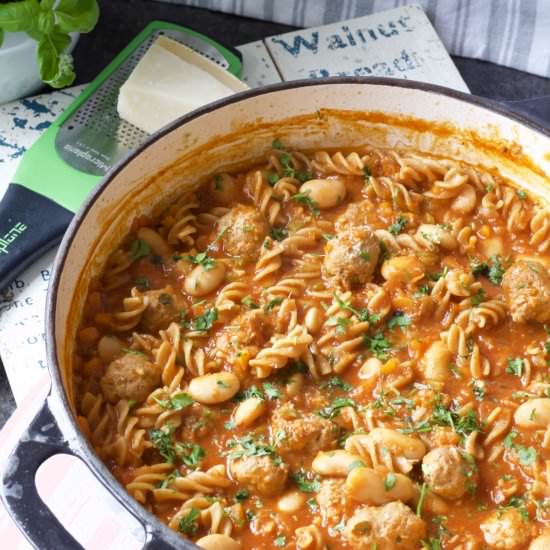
(30, 224)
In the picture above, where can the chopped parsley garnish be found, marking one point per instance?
(521, 194)
(280, 541)
(271, 391)
(176, 402)
(272, 178)
(306, 200)
(139, 249)
(493, 269)
(165, 299)
(249, 302)
(203, 322)
(432, 544)
(389, 481)
(377, 344)
(274, 302)
(278, 233)
(334, 408)
(478, 298)
(306, 481)
(509, 439)
(336, 383)
(202, 259)
(218, 182)
(365, 256)
(190, 454)
(161, 438)
(362, 314)
(241, 495)
(249, 445)
(398, 226)
(276, 144)
(479, 390)
(367, 173)
(462, 425)
(399, 320)
(189, 523)
(423, 492)
(312, 504)
(142, 283)
(341, 324)
(527, 455)
(515, 366)
(423, 290)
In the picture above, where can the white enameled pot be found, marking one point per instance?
(229, 134)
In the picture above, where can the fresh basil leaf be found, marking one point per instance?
(77, 15)
(19, 16)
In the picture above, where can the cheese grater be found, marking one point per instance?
(61, 168)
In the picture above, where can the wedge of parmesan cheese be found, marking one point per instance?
(169, 81)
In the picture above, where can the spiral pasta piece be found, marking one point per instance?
(134, 306)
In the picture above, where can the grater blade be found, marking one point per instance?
(94, 137)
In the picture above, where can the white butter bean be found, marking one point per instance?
(534, 413)
(215, 388)
(437, 235)
(466, 201)
(109, 347)
(378, 487)
(291, 502)
(540, 543)
(249, 411)
(201, 281)
(335, 463)
(404, 269)
(314, 319)
(410, 447)
(326, 193)
(223, 188)
(436, 362)
(157, 244)
(218, 542)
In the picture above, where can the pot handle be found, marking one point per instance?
(536, 109)
(40, 441)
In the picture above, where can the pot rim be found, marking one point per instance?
(93, 461)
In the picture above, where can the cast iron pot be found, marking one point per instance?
(234, 132)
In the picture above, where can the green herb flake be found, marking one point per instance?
(271, 391)
(272, 178)
(527, 455)
(176, 402)
(142, 283)
(335, 407)
(189, 523)
(515, 366)
(336, 383)
(423, 492)
(365, 256)
(306, 200)
(389, 481)
(218, 182)
(202, 259)
(306, 481)
(399, 320)
(367, 173)
(190, 454)
(278, 233)
(203, 323)
(478, 298)
(274, 302)
(521, 194)
(399, 226)
(139, 249)
(276, 144)
(280, 541)
(241, 495)
(312, 504)
(250, 303)
(378, 344)
(161, 438)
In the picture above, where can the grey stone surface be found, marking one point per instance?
(121, 20)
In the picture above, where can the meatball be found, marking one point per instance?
(131, 376)
(161, 310)
(243, 231)
(351, 257)
(308, 434)
(506, 530)
(357, 213)
(390, 527)
(526, 287)
(260, 473)
(448, 473)
(332, 499)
